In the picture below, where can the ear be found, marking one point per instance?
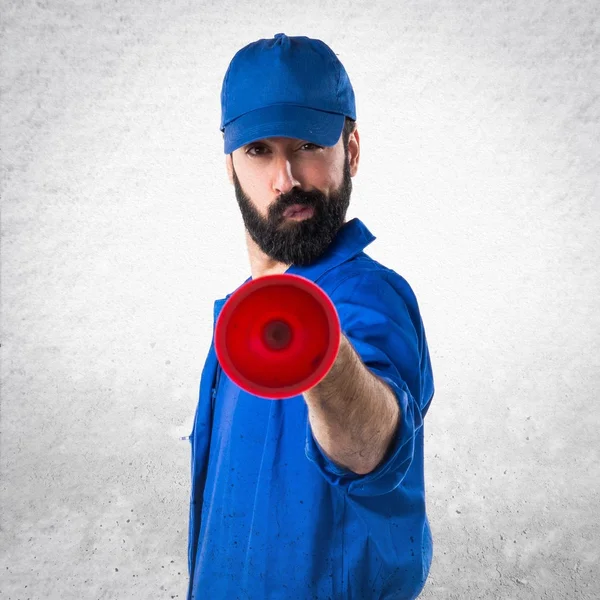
(229, 167)
(354, 151)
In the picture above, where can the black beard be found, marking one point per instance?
(297, 242)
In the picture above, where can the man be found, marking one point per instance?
(320, 496)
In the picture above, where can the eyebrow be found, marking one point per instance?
(265, 142)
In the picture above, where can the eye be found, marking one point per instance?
(256, 150)
(310, 146)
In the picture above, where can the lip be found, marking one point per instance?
(299, 211)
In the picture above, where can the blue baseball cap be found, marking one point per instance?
(285, 86)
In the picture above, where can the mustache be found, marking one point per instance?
(297, 196)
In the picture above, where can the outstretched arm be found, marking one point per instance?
(353, 414)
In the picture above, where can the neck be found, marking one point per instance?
(260, 263)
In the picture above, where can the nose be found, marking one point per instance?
(283, 177)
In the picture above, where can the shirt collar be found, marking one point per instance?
(351, 239)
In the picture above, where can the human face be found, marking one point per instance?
(278, 173)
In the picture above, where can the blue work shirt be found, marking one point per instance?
(271, 517)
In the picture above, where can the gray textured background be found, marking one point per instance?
(479, 176)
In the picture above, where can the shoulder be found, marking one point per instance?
(364, 275)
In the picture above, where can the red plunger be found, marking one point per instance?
(277, 336)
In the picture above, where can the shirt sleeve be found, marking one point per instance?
(380, 317)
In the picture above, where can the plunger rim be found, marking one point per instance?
(329, 356)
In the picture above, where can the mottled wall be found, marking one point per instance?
(479, 175)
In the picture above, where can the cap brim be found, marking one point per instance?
(284, 120)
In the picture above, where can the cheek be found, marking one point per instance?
(258, 193)
(335, 166)
(331, 176)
